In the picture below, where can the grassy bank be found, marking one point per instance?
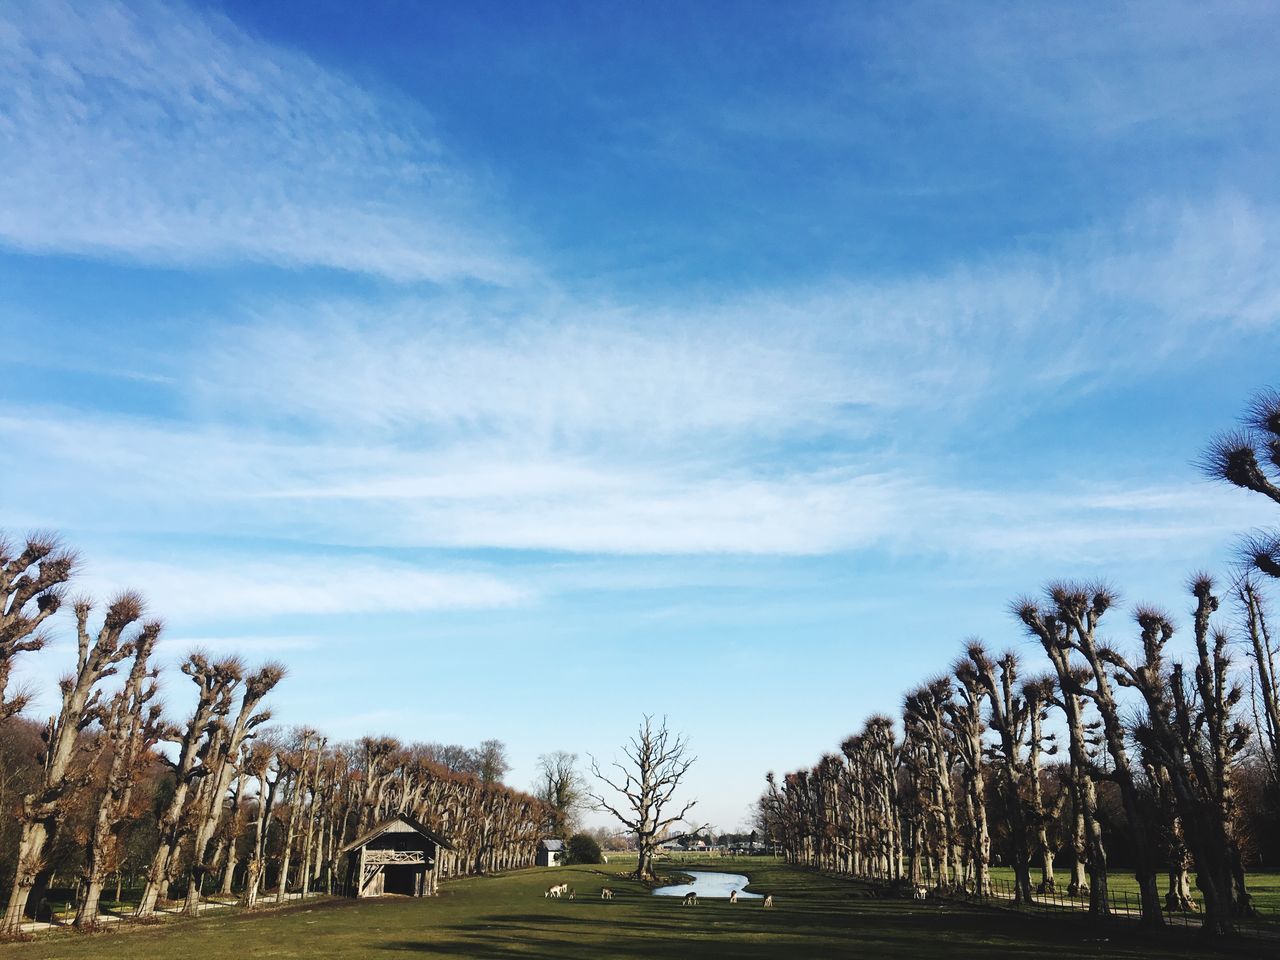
(508, 916)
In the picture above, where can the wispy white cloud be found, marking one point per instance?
(204, 589)
(825, 356)
(378, 497)
(554, 372)
(1164, 68)
(768, 424)
(164, 133)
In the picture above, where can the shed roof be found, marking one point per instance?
(388, 826)
(552, 844)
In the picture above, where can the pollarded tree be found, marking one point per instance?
(262, 759)
(221, 760)
(1054, 636)
(215, 682)
(1042, 812)
(131, 725)
(965, 719)
(1191, 732)
(1234, 457)
(924, 722)
(32, 579)
(295, 766)
(1081, 607)
(1010, 716)
(659, 762)
(64, 762)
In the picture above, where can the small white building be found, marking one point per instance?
(550, 853)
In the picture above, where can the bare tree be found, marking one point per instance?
(264, 758)
(1010, 715)
(130, 728)
(295, 765)
(659, 761)
(41, 813)
(967, 726)
(1264, 682)
(1081, 607)
(491, 763)
(1234, 457)
(32, 580)
(1054, 635)
(215, 682)
(221, 760)
(560, 786)
(1190, 730)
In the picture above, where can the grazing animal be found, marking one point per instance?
(604, 858)
(573, 893)
(733, 896)
(768, 900)
(606, 893)
(690, 899)
(556, 890)
(921, 892)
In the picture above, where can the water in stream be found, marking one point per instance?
(709, 885)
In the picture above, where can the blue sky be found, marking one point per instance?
(513, 370)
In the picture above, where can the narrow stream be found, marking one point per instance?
(711, 885)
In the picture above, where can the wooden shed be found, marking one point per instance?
(398, 856)
(550, 853)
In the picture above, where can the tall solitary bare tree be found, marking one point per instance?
(659, 761)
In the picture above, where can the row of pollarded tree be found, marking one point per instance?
(229, 802)
(1172, 742)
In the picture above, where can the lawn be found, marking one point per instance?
(507, 916)
(1265, 887)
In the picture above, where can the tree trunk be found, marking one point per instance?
(31, 845)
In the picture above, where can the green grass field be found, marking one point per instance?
(1265, 887)
(507, 916)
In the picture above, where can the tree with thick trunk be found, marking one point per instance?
(129, 730)
(968, 729)
(214, 683)
(923, 718)
(222, 764)
(295, 767)
(1191, 732)
(659, 762)
(41, 812)
(1081, 607)
(1054, 636)
(263, 759)
(1010, 714)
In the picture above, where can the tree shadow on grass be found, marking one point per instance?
(756, 935)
